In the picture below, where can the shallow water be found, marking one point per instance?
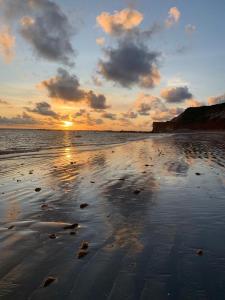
(142, 246)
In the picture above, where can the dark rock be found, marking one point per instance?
(198, 174)
(49, 281)
(136, 192)
(72, 226)
(83, 205)
(72, 232)
(199, 252)
(52, 236)
(37, 190)
(11, 227)
(82, 253)
(44, 206)
(84, 245)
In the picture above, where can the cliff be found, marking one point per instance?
(195, 118)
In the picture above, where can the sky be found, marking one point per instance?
(108, 65)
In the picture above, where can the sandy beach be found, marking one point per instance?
(153, 204)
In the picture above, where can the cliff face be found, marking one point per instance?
(195, 118)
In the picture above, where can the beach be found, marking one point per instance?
(153, 216)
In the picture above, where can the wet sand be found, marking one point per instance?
(152, 205)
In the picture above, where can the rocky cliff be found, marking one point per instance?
(195, 118)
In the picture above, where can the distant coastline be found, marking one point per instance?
(204, 118)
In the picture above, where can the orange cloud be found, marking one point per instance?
(100, 41)
(173, 17)
(193, 103)
(7, 44)
(120, 21)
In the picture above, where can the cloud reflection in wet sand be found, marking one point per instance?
(142, 242)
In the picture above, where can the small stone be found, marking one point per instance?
(83, 205)
(37, 190)
(72, 226)
(84, 245)
(199, 252)
(198, 174)
(146, 165)
(49, 281)
(136, 192)
(52, 236)
(92, 181)
(81, 253)
(44, 206)
(11, 227)
(72, 233)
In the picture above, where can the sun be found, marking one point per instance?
(67, 123)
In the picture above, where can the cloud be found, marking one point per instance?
(193, 103)
(216, 100)
(100, 41)
(176, 94)
(3, 102)
(64, 86)
(166, 115)
(129, 64)
(120, 21)
(44, 109)
(145, 103)
(80, 113)
(190, 28)
(130, 115)
(23, 119)
(7, 44)
(108, 115)
(44, 26)
(144, 109)
(173, 17)
(96, 80)
(96, 101)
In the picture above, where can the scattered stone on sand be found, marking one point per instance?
(83, 205)
(92, 181)
(71, 226)
(121, 179)
(11, 227)
(146, 165)
(18, 180)
(82, 253)
(37, 190)
(84, 245)
(199, 252)
(49, 281)
(44, 206)
(31, 172)
(136, 192)
(52, 236)
(198, 174)
(72, 162)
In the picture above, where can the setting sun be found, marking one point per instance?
(67, 123)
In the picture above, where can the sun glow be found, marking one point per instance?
(67, 124)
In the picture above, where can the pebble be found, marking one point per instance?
(37, 190)
(83, 205)
(49, 281)
(52, 236)
(72, 226)
(199, 252)
(136, 192)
